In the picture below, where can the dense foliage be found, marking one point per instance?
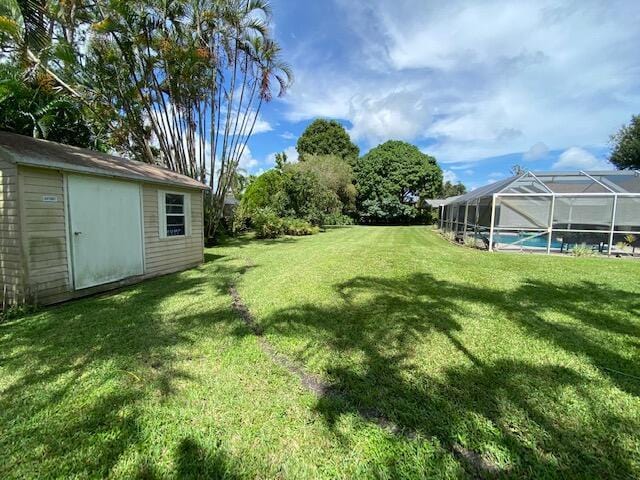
(292, 193)
(327, 137)
(34, 107)
(333, 173)
(626, 145)
(268, 224)
(391, 178)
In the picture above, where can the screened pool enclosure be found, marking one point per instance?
(552, 212)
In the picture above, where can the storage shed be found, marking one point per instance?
(74, 222)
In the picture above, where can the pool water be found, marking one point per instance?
(534, 242)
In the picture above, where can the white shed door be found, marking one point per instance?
(105, 219)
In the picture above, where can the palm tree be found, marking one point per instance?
(198, 71)
(27, 31)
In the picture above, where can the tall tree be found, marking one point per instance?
(192, 77)
(327, 137)
(626, 145)
(452, 190)
(391, 178)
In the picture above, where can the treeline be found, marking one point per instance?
(331, 184)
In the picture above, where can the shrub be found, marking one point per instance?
(449, 235)
(473, 242)
(266, 191)
(337, 219)
(582, 250)
(240, 219)
(298, 227)
(267, 223)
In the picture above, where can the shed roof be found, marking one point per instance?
(34, 152)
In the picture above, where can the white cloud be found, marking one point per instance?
(288, 135)
(576, 158)
(261, 126)
(450, 176)
(536, 152)
(480, 78)
(247, 161)
(397, 115)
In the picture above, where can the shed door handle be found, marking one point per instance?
(77, 233)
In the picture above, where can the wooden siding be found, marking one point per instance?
(33, 235)
(166, 255)
(44, 232)
(11, 266)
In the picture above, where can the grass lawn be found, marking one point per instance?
(529, 364)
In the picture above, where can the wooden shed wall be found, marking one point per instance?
(11, 268)
(44, 232)
(44, 238)
(166, 255)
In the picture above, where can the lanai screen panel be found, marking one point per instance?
(583, 213)
(628, 214)
(523, 212)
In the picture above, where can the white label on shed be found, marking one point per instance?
(49, 198)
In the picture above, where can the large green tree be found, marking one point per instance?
(626, 145)
(335, 174)
(391, 178)
(327, 137)
(452, 189)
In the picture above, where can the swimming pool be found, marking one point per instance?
(533, 242)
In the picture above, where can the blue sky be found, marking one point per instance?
(478, 85)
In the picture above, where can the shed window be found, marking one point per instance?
(174, 208)
(174, 214)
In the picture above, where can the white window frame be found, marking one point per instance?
(162, 213)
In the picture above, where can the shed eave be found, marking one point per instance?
(65, 167)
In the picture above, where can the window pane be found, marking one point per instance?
(175, 225)
(175, 209)
(174, 199)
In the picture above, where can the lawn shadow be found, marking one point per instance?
(104, 355)
(195, 462)
(249, 239)
(499, 407)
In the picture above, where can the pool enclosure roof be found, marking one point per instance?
(607, 182)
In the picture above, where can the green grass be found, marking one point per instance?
(531, 362)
